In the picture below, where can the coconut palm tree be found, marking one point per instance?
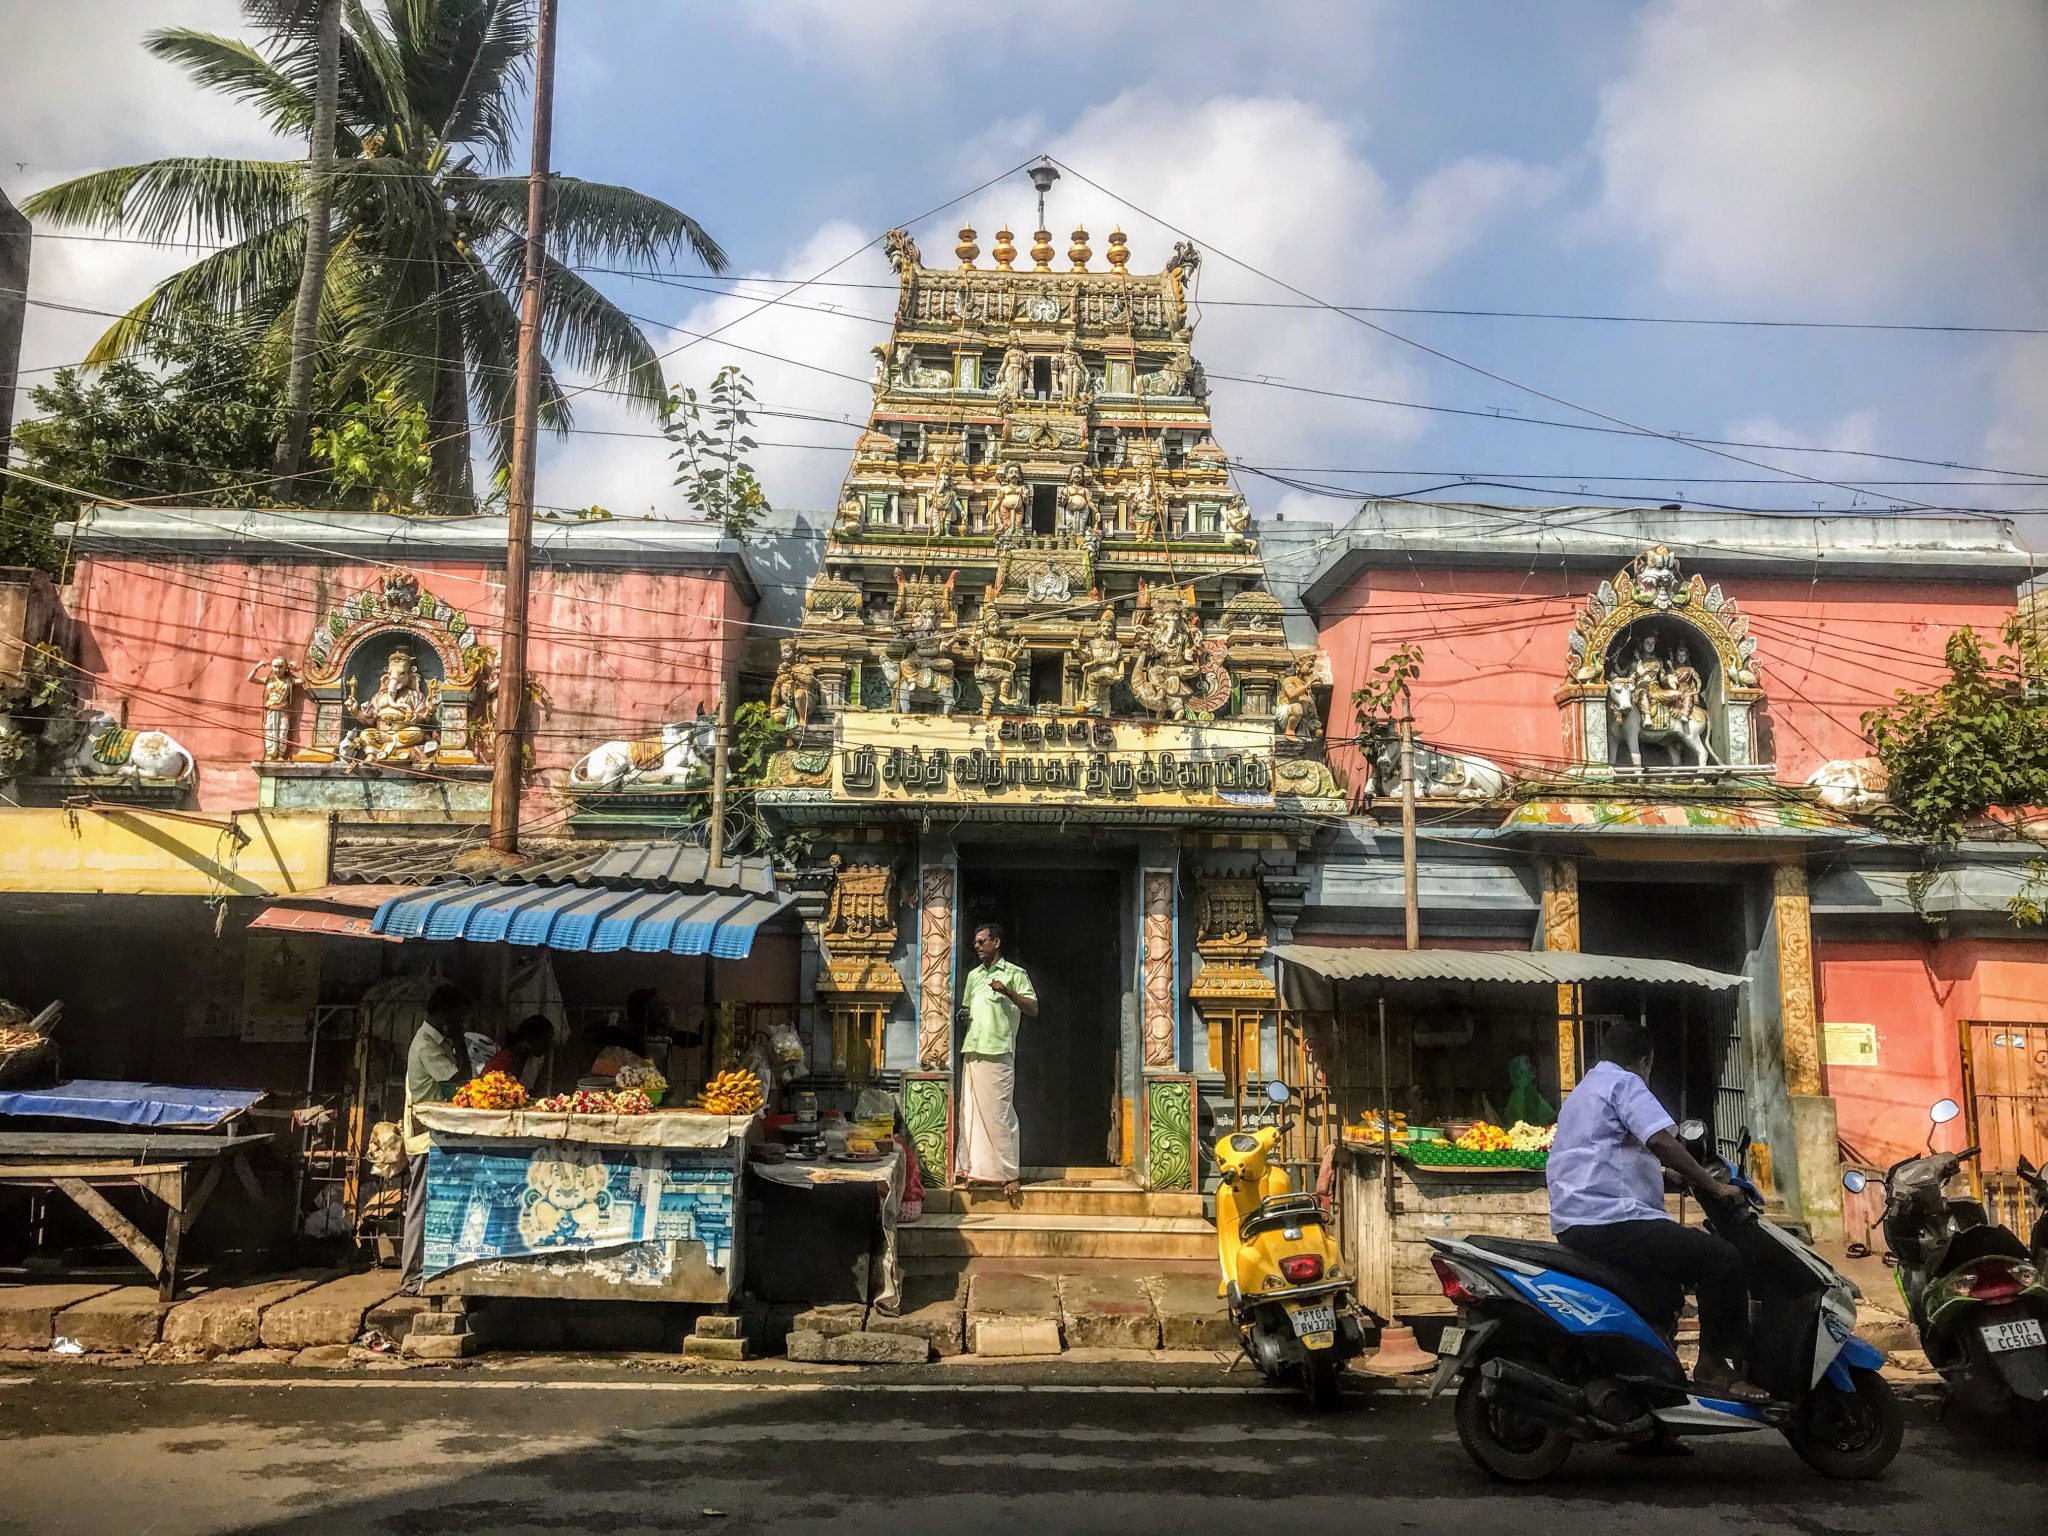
(421, 286)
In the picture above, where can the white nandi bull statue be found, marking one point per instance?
(677, 755)
(1440, 775)
(105, 749)
(1852, 784)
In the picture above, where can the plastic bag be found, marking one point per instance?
(788, 1049)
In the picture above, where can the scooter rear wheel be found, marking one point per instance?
(1508, 1447)
(1319, 1375)
(1852, 1434)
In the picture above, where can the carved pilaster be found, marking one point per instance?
(935, 969)
(1157, 1009)
(1286, 892)
(1795, 979)
(1561, 932)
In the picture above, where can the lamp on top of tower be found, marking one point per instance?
(1043, 174)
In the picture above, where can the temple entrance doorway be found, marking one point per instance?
(1702, 1065)
(1064, 927)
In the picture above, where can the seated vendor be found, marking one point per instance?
(525, 1050)
(623, 1043)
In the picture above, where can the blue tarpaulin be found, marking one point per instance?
(149, 1104)
(598, 919)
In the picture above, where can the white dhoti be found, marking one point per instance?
(986, 1147)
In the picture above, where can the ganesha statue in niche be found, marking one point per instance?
(398, 723)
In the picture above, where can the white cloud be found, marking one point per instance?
(2017, 437)
(1834, 152)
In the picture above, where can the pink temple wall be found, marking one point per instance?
(1494, 652)
(1917, 993)
(619, 651)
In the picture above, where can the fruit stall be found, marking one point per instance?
(595, 1195)
(1443, 1069)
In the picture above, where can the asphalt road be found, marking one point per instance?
(624, 1452)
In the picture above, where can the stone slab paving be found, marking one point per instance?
(393, 1316)
(934, 1309)
(1191, 1314)
(129, 1317)
(1000, 1298)
(831, 1321)
(230, 1319)
(28, 1313)
(1107, 1310)
(328, 1314)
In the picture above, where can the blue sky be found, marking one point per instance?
(1883, 161)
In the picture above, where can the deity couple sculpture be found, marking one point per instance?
(1657, 702)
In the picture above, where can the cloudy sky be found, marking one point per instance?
(1881, 162)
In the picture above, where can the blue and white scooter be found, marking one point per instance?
(1552, 1349)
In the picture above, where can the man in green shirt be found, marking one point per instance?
(436, 1064)
(997, 999)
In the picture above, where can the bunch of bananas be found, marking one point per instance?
(731, 1093)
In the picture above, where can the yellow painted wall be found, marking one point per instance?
(136, 853)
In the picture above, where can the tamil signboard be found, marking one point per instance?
(1077, 760)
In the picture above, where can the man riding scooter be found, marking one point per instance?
(1606, 1177)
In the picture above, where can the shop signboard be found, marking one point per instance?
(1078, 760)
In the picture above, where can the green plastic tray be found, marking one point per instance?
(1442, 1154)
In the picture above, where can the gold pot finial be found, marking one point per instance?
(1078, 253)
(1005, 250)
(1042, 249)
(1119, 252)
(967, 250)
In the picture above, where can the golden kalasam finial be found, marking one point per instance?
(967, 250)
(1078, 253)
(1119, 252)
(1042, 249)
(1005, 250)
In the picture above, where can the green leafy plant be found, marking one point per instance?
(712, 442)
(379, 446)
(1974, 744)
(1379, 703)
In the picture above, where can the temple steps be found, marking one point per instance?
(1064, 1198)
(1088, 1214)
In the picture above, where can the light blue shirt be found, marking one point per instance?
(1601, 1169)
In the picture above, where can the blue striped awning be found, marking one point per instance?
(596, 919)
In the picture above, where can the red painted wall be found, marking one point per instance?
(1494, 651)
(619, 651)
(1917, 992)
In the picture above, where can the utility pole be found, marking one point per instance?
(507, 758)
(1410, 900)
(718, 766)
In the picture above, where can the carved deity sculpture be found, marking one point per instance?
(902, 250)
(1078, 513)
(1237, 523)
(995, 652)
(947, 507)
(280, 689)
(1147, 513)
(1074, 384)
(1646, 674)
(1650, 700)
(1658, 578)
(395, 722)
(1010, 508)
(880, 381)
(1295, 710)
(1012, 379)
(795, 691)
(1102, 664)
(1167, 664)
(850, 514)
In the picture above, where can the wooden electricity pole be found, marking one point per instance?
(509, 750)
(718, 771)
(1410, 898)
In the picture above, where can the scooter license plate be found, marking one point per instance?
(1308, 1320)
(2024, 1334)
(1451, 1344)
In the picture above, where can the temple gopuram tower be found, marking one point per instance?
(1039, 680)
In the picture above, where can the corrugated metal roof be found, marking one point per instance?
(597, 919)
(1551, 967)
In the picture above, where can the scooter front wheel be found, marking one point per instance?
(1507, 1446)
(1853, 1434)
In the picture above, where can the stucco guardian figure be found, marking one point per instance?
(795, 692)
(280, 689)
(1102, 664)
(1295, 710)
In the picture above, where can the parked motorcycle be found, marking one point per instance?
(2035, 1180)
(1972, 1289)
(1296, 1312)
(1552, 1349)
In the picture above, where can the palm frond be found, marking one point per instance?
(585, 330)
(191, 197)
(235, 68)
(595, 219)
(465, 67)
(250, 283)
(491, 330)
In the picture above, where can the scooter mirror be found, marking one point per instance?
(1854, 1181)
(1278, 1092)
(1692, 1130)
(1944, 1110)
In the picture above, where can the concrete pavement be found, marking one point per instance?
(208, 1450)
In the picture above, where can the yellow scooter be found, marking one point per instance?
(1295, 1312)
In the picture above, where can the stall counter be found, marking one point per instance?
(1391, 1256)
(585, 1207)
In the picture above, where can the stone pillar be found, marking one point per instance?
(1561, 932)
(1156, 1004)
(935, 944)
(1815, 1136)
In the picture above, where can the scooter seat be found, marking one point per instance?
(1638, 1293)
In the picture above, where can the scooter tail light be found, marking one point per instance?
(1460, 1286)
(1303, 1267)
(1997, 1281)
